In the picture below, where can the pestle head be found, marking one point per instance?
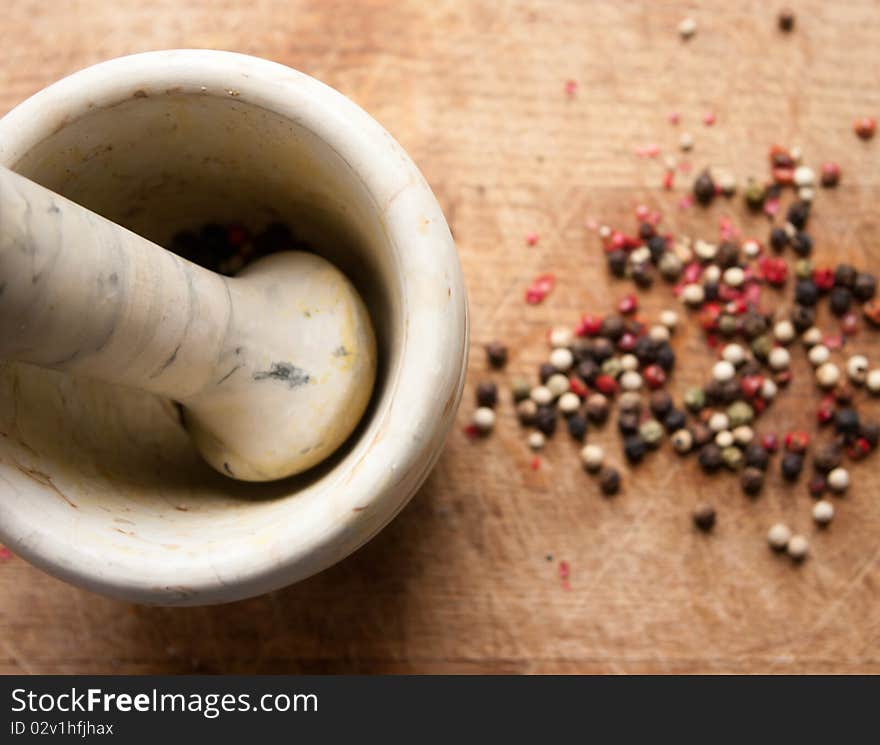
(300, 374)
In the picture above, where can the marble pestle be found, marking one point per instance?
(273, 367)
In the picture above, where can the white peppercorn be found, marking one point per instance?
(838, 479)
(706, 251)
(526, 410)
(630, 381)
(724, 438)
(561, 336)
(541, 395)
(798, 546)
(734, 276)
(569, 402)
(743, 434)
(718, 421)
(784, 331)
(723, 371)
(769, 389)
(778, 536)
(682, 441)
(693, 294)
(779, 358)
(659, 333)
(561, 358)
(629, 362)
(686, 141)
(818, 355)
(804, 176)
(734, 354)
(537, 440)
(669, 318)
(557, 385)
(827, 375)
(712, 274)
(484, 418)
(806, 193)
(751, 248)
(812, 336)
(592, 456)
(857, 368)
(872, 381)
(641, 255)
(823, 512)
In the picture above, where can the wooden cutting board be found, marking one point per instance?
(466, 578)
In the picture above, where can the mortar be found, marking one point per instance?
(101, 485)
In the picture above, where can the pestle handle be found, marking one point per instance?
(83, 294)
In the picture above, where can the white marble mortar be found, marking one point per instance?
(99, 484)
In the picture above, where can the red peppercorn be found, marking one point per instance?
(590, 325)
(691, 273)
(825, 412)
(751, 385)
(817, 485)
(709, 314)
(823, 278)
(780, 157)
(759, 404)
(540, 288)
(859, 449)
(797, 442)
(618, 240)
(654, 376)
(849, 324)
(773, 270)
(865, 127)
(783, 377)
(830, 174)
(627, 342)
(576, 386)
(783, 176)
(770, 443)
(606, 384)
(471, 431)
(628, 304)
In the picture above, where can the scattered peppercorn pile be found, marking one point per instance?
(615, 358)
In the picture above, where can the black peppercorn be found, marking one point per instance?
(665, 357)
(704, 517)
(487, 394)
(827, 457)
(634, 448)
(645, 349)
(582, 348)
(798, 214)
(587, 371)
(602, 350)
(730, 391)
(756, 456)
(864, 287)
(545, 420)
(597, 408)
(845, 275)
(496, 354)
(609, 480)
(791, 465)
(612, 327)
(710, 458)
(714, 392)
(846, 421)
(577, 426)
(546, 371)
(871, 433)
(704, 188)
(727, 254)
(806, 292)
(701, 434)
(752, 480)
(643, 274)
(646, 231)
(710, 291)
(839, 301)
(778, 239)
(617, 262)
(657, 247)
(802, 244)
(803, 317)
(785, 20)
(628, 422)
(749, 367)
(674, 420)
(661, 404)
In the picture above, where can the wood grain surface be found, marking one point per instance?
(463, 580)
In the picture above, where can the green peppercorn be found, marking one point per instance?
(732, 457)
(520, 388)
(727, 324)
(651, 432)
(754, 195)
(612, 367)
(739, 413)
(803, 268)
(761, 346)
(754, 324)
(695, 399)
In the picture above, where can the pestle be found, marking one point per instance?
(273, 367)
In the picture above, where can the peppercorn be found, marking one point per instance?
(545, 420)
(802, 244)
(665, 357)
(870, 433)
(806, 292)
(606, 384)
(645, 350)
(520, 389)
(496, 354)
(487, 394)
(816, 486)
(612, 367)
(791, 465)
(803, 317)
(864, 286)
(527, 410)
(839, 300)
(803, 269)
(846, 422)
(660, 403)
(642, 275)
(577, 426)
(670, 266)
(785, 20)
(754, 195)
(823, 512)
(704, 517)
(630, 402)
(682, 441)
(752, 480)
(701, 434)
(710, 458)
(797, 548)
(755, 456)
(656, 245)
(710, 291)
(634, 448)
(628, 422)
(674, 420)
(843, 393)
(838, 480)
(609, 480)
(587, 371)
(778, 239)
(732, 457)
(865, 127)
(797, 442)
(845, 275)
(596, 408)
(740, 413)
(761, 346)
(484, 419)
(727, 324)
(617, 262)
(704, 188)
(754, 324)
(568, 403)
(612, 327)
(545, 372)
(651, 431)
(728, 254)
(798, 214)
